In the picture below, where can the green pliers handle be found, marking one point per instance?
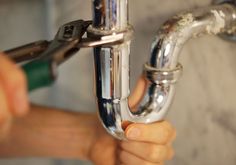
(46, 56)
(39, 73)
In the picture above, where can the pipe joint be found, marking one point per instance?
(163, 76)
(100, 37)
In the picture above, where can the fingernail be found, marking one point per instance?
(133, 133)
(20, 102)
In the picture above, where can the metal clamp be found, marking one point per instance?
(163, 76)
(97, 37)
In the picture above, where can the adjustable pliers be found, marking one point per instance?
(43, 57)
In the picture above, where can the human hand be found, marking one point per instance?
(13, 93)
(147, 144)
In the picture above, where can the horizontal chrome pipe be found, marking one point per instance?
(161, 71)
(177, 31)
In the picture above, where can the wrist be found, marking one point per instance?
(102, 144)
(93, 128)
(47, 132)
(96, 130)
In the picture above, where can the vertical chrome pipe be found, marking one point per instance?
(110, 15)
(111, 63)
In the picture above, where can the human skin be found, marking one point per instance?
(13, 94)
(49, 132)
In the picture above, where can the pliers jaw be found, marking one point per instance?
(66, 41)
(72, 31)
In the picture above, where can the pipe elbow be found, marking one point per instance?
(115, 114)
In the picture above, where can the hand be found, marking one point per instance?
(13, 93)
(147, 144)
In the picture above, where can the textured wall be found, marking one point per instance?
(204, 108)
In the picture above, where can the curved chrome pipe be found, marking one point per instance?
(161, 71)
(177, 31)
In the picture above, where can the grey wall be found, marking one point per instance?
(204, 108)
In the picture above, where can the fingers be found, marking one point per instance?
(127, 158)
(148, 151)
(13, 97)
(147, 143)
(158, 133)
(13, 82)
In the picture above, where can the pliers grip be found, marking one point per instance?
(45, 56)
(27, 52)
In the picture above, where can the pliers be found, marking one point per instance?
(44, 57)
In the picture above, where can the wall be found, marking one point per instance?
(203, 111)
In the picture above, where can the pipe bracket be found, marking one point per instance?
(97, 37)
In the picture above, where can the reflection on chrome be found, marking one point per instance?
(162, 69)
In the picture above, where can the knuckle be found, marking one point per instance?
(156, 153)
(168, 125)
(168, 132)
(165, 135)
(153, 153)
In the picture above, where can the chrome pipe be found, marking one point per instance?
(111, 63)
(161, 71)
(177, 31)
(171, 38)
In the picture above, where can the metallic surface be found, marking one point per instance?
(224, 1)
(27, 52)
(226, 36)
(65, 44)
(98, 38)
(112, 62)
(171, 38)
(177, 31)
(163, 76)
(112, 65)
